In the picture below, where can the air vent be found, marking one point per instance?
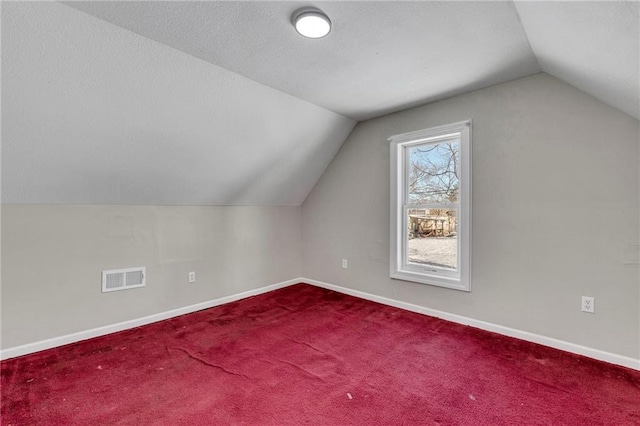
(123, 279)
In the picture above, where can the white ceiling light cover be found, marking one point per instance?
(312, 23)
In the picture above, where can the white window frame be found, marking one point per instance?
(425, 274)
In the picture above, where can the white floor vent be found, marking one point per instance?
(123, 279)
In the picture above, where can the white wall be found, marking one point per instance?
(53, 256)
(555, 212)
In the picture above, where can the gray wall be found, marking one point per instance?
(53, 255)
(556, 216)
(555, 213)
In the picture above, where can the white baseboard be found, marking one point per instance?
(507, 331)
(125, 325)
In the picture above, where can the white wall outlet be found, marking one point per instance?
(344, 264)
(588, 304)
(192, 277)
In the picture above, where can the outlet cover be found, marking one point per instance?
(192, 277)
(344, 264)
(588, 304)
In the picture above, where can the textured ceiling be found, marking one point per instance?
(222, 103)
(383, 57)
(595, 46)
(380, 56)
(93, 114)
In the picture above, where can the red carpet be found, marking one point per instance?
(304, 355)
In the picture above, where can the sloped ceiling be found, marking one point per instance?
(93, 114)
(380, 57)
(387, 56)
(595, 46)
(222, 103)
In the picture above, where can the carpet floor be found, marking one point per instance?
(305, 355)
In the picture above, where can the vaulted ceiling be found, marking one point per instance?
(223, 103)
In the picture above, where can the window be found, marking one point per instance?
(431, 206)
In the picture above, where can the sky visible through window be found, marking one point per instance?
(433, 173)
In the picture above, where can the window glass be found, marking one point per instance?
(432, 238)
(433, 173)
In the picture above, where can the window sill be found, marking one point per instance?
(439, 281)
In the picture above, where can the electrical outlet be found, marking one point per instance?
(344, 263)
(588, 304)
(192, 277)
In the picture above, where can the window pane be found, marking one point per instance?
(433, 173)
(433, 237)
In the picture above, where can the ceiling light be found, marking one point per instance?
(311, 23)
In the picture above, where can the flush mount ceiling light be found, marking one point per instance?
(311, 23)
